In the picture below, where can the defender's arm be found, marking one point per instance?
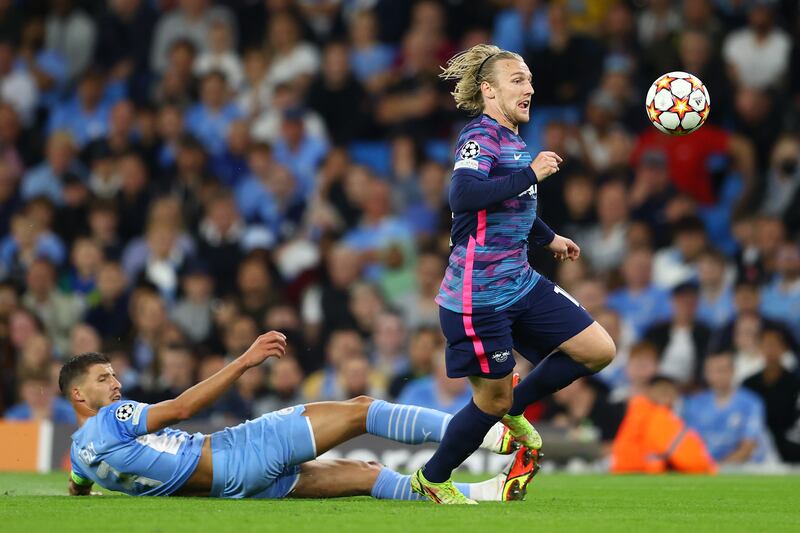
(79, 486)
(197, 398)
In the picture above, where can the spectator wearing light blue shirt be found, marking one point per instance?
(46, 178)
(730, 420)
(210, 120)
(437, 391)
(369, 57)
(254, 198)
(522, 27)
(715, 307)
(86, 116)
(780, 300)
(299, 151)
(47, 66)
(39, 402)
(640, 303)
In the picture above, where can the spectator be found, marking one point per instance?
(293, 60)
(266, 127)
(17, 87)
(389, 355)
(218, 243)
(730, 420)
(86, 261)
(437, 391)
(678, 263)
(371, 59)
(177, 84)
(40, 402)
(210, 120)
(240, 333)
(103, 222)
(716, 293)
(682, 341)
(651, 193)
(299, 150)
(583, 410)
(782, 196)
(640, 369)
(86, 116)
(521, 27)
(27, 242)
(83, 339)
(190, 22)
(46, 179)
(325, 384)
(425, 342)
(359, 379)
(58, 311)
(176, 373)
(220, 55)
(256, 288)
(149, 319)
(779, 389)
(254, 95)
(758, 56)
(285, 380)
(639, 302)
(604, 244)
(193, 313)
(109, 313)
(780, 300)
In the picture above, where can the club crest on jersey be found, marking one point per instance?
(124, 412)
(501, 356)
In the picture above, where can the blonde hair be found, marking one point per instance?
(472, 67)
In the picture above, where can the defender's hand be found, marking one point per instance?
(564, 249)
(545, 164)
(272, 344)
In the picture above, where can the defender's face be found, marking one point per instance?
(514, 90)
(99, 387)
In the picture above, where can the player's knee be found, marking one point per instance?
(497, 405)
(603, 355)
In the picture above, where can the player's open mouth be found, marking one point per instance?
(525, 104)
(116, 397)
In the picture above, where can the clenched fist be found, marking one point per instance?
(545, 164)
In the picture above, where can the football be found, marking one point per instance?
(678, 103)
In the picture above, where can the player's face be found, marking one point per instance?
(100, 387)
(514, 90)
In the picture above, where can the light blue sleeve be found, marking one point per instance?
(755, 418)
(128, 418)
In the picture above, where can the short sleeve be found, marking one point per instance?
(754, 422)
(477, 150)
(129, 417)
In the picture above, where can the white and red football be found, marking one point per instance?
(678, 103)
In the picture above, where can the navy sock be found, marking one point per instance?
(464, 435)
(554, 373)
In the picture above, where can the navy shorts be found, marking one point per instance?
(481, 344)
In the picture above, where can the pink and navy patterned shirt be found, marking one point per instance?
(493, 199)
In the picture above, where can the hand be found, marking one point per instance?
(545, 164)
(564, 249)
(272, 344)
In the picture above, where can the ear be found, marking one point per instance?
(487, 90)
(76, 396)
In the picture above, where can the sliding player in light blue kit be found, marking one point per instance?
(127, 446)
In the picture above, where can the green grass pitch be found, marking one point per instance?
(556, 502)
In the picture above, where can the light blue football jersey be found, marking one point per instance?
(114, 449)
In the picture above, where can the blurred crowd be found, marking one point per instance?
(178, 176)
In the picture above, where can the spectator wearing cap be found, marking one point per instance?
(650, 195)
(683, 340)
(640, 303)
(46, 178)
(678, 262)
(86, 116)
(730, 420)
(191, 22)
(299, 150)
(758, 55)
(779, 388)
(210, 119)
(780, 300)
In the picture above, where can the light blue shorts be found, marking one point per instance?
(261, 458)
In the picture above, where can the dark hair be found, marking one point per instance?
(77, 366)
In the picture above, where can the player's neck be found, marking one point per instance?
(501, 119)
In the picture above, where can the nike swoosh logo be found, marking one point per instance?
(517, 156)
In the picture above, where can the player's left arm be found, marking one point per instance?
(79, 486)
(562, 247)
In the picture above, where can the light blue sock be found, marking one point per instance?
(393, 486)
(406, 423)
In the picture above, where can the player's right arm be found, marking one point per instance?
(78, 485)
(472, 190)
(197, 398)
